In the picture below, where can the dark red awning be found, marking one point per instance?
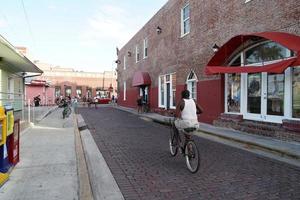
(141, 78)
(216, 63)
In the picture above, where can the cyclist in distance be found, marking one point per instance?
(186, 112)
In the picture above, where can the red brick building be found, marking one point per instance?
(173, 50)
(68, 82)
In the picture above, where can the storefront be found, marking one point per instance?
(142, 81)
(262, 76)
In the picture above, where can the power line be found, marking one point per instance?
(28, 23)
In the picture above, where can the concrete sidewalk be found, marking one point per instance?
(47, 168)
(281, 150)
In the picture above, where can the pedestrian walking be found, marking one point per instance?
(139, 104)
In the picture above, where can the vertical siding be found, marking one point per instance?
(3, 87)
(16, 102)
(18, 90)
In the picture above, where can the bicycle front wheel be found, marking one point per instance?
(192, 157)
(173, 143)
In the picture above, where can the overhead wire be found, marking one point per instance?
(28, 24)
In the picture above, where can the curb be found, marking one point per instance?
(267, 148)
(85, 190)
(102, 182)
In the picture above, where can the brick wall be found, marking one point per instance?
(211, 22)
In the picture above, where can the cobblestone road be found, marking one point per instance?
(137, 153)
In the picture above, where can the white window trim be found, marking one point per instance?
(144, 53)
(182, 22)
(264, 116)
(165, 91)
(124, 60)
(137, 51)
(124, 92)
(192, 80)
(160, 105)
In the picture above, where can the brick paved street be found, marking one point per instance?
(138, 155)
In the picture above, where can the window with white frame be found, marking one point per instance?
(173, 90)
(124, 60)
(167, 91)
(185, 20)
(145, 48)
(137, 53)
(263, 96)
(296, 92)
(162, 91)
(124, 95)
(192, 85)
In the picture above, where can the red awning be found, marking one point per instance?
(141, 78)
(292, 42)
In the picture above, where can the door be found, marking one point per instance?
(265, 96)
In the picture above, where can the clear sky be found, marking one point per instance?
(82, 34)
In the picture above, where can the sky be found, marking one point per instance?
(81, 34)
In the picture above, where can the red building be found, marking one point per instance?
(239, 59)
(39, 88)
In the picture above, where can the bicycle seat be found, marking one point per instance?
(190, 129)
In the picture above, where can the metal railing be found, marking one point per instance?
(23, 109)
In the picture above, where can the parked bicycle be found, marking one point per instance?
(187, 147)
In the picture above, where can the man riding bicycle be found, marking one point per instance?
(186, 112)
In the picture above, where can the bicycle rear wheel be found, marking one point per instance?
(173, 143)
(192, 156)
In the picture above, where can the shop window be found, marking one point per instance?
(275, 92)
(68, 91)
(233, 92)
(145, 48)
(185, 20)
(192, 85)
(296, 92)
(79, 92)
(89, 92)
(57, 91)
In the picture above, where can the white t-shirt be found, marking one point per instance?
(189, 110)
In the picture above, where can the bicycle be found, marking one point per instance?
(188, 147)
(66, 111)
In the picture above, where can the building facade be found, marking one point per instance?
(252, 77)
(68, 82)
(14, 68)
(42, 89)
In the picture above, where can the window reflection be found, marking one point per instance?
(254, 93)
(275, 103)
(266, 52)
(296, 92)
(234, 92)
